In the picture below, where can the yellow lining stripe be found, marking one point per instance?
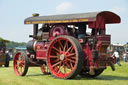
(56, 21)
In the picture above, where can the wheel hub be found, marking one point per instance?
(62, 57)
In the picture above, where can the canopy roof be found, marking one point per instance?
(108, 16)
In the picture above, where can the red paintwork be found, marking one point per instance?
(51, 52)
(41, 50)
(104, 18)
(56, 30)
(18, 64)
(58, 71)
(101, 41)
(45, 69)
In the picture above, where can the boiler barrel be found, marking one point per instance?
(30, 46)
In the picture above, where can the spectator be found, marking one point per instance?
(124, 57)
(116, 54)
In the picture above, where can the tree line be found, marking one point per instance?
(12, 44)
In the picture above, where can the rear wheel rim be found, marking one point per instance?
(19, 64)
(62, 58)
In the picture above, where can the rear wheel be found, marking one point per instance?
(65, 57)
(21, 63)
(86, 73)
(44, 69)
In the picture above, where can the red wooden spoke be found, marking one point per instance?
(55, 49)
(60, 49)
(71, 50)
(68, 50)
(56, 64)
(71, 65)
(65, 45)
(72, 54)
(53, 56)
(68, 66)
(57, 60)
(71, 60)
(17, 67)
(65, 71)
(58, 54)
(19, 58)
(60, 44)
(20, 69)
(22, 58)
(59, 69)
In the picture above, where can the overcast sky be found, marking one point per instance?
(13, 13)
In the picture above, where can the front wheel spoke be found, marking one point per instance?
(65, 45)
(59, 69)
(73, 57)
(68, 66)
(53, 56)
(56, 64)
(57, 54)
(71, 60)
(17, 66)
(68, 49)
(60, 44)
(71, 50)
(73, 54)
(22, 59)
(71, 65)
(19, 70)
(65, 71)
(60, 49)
(55, 49)
(57, 60)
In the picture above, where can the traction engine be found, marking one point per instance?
(64, 48)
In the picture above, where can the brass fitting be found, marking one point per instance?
(35, 14)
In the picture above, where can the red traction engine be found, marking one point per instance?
(68, 45)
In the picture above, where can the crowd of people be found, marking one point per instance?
(124, 57)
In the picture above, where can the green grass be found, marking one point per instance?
(35, 77)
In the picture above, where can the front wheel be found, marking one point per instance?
(65, 57)
(21, 63)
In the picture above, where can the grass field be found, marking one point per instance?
(35, 77)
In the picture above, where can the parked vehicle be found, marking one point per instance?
(63, 47)
(4, 56)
